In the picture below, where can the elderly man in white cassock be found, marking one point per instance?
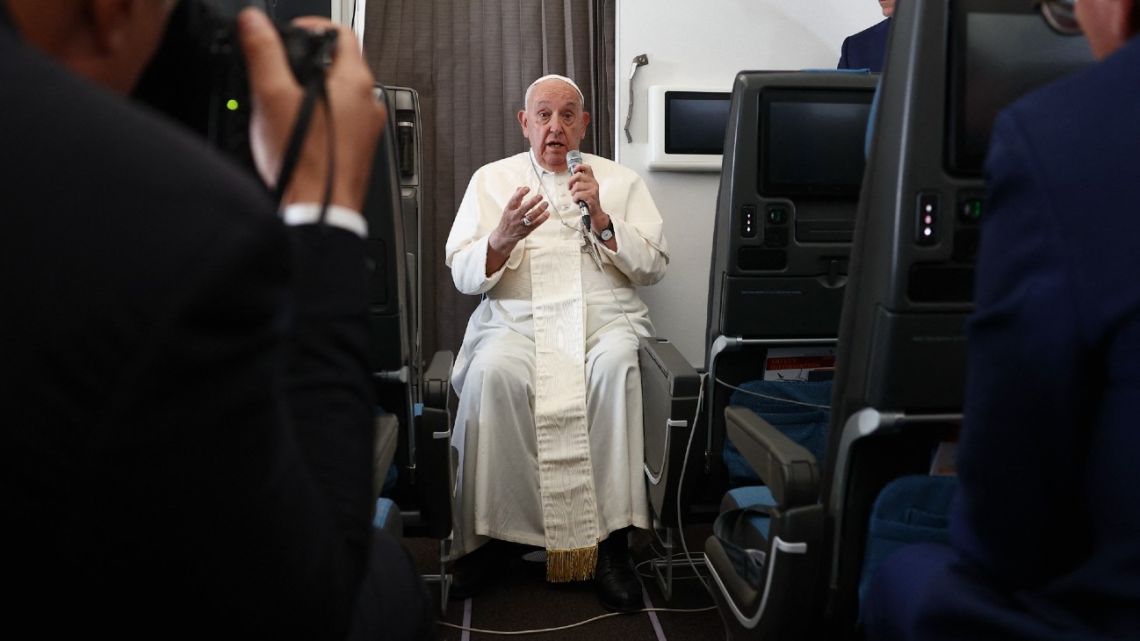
(549, 428)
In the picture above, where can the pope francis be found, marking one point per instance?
(548, 433)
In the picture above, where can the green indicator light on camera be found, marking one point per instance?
(232, 104)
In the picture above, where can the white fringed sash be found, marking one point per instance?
(566, 477)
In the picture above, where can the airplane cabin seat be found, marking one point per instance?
(418, 398)
(900, 366)
(779, 264)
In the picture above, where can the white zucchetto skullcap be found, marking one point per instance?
(553, 76)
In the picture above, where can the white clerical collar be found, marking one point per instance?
(543, 170)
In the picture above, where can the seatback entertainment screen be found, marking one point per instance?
(812, 142)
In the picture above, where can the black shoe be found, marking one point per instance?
(474, 571)
(615, 578)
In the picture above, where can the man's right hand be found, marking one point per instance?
(358, 118)
(519, 219)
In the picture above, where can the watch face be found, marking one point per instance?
(607, 234)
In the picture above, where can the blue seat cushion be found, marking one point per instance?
(752, 496)
(390, 480)
(910, 509)
(387, 517)
(804, 421)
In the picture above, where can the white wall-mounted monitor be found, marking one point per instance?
(686, 128)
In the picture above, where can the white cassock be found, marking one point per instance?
(551, 321)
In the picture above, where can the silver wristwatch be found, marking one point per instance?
(606, 234)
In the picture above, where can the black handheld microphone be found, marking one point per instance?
(573, 159)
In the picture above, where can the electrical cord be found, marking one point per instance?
(674, 557)
(770, 397)
(574, 625)
(681, 482)
(661, 555)
(637, 568)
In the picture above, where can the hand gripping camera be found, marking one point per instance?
(199, 78)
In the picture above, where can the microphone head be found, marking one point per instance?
(573, 159)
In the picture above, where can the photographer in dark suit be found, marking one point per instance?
(187, 419)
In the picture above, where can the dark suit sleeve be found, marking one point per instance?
(843, 64)
(329, 392)
(251, 429)
(1020, 459)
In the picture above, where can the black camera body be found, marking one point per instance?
(199, 78)
(310, 52)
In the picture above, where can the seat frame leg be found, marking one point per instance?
(663, 567)
(444, 577)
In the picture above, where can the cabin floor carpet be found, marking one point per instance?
(520, 599)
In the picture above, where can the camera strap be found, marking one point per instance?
(314, 91)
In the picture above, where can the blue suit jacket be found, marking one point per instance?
(1046, 531)
(866, 49)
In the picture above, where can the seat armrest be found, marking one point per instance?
(437, 379)
(387, 433)
(435, 473)
(682, 379)
(787, 468)
(669, 390)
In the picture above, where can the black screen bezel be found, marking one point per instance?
(957, 160)
(767, 187)
(670, 96)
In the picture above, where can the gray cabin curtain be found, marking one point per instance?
(471, 62)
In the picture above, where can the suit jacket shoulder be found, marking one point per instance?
(866, 49)
(165, 378)
(1084, 137)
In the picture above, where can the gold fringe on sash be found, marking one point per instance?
(563, 566)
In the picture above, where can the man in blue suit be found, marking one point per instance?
(866, 49)
(1045, 534)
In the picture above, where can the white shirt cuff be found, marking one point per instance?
(336, 216)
